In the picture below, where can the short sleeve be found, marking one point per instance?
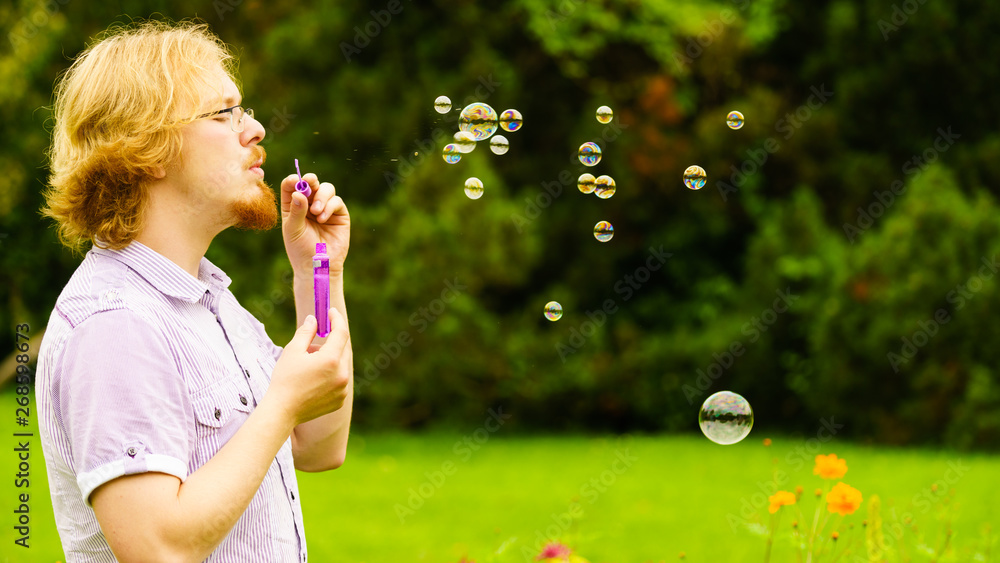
(122, 400)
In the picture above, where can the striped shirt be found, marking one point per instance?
(145, 368)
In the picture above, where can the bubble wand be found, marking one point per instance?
(301, 186)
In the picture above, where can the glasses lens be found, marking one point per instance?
(237, 114)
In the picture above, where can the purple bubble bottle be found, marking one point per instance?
(321, 289)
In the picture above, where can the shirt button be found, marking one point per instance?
(131, 452)
(243, 399)
(246, 371)
(218, 414)
(293, 495)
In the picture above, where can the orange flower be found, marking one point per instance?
(779, 499)
(835, 535)
(843, 499)
(767, 442)
(829, 467)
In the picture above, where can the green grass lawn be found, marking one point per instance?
(680, 494)
(613, 499)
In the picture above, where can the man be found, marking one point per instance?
(171, 424)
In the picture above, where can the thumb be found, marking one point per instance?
(304, 334)
(297, 214)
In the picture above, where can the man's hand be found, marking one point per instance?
(322, 217)
(307, 381)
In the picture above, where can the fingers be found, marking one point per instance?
(337, 340)
(335, 208)
(304, 334)
(293, 223)
(327, 204)
(287, 190)
(323, 193)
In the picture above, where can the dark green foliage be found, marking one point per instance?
(780, 212)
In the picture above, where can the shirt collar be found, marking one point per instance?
(166, 276)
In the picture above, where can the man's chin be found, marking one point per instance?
(259, 213)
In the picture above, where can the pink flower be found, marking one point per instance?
(554, 550)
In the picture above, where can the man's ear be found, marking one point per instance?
(159, 172)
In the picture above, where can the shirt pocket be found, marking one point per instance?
(266, 363)
(221, 409)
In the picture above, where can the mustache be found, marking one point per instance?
(257, 154)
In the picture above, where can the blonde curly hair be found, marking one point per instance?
(118, 112)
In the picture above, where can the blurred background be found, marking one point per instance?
(839, 263)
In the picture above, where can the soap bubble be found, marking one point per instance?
(694, 177)
(451, 154)
(604, 187)
(511, 120)
(499, 144)
(734, 120)
(604, 114)
(442, 104)
(553, 311)
(725, 418)
(474, 188)
(590, 154)
(465, 142)
(478, 119)
(585, 183)
(603, 231)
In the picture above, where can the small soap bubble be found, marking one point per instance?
(553, 311)
(734, 120)
(603, 231)
(474, 188)
(478, 119)
(499, 144)
(604, 114)
(694, 177)
(725, 418)
(511, 120)
(604, 187)
(451, 154)
(585, 182)
(465, 142)
(590, 154)
(442, 104)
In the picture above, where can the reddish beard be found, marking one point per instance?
(259, 212)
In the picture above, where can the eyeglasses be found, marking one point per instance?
(237, 116)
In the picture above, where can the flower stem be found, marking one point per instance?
(812, 535)
(770, 535)
(817, 527)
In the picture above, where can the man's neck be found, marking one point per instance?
(185, 253)
(178, 230)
